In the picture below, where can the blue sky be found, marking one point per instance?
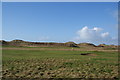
(60, 21)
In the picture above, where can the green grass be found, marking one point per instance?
(59, 64)
(111, 48)
(7, 46)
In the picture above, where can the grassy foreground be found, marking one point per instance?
(59, 64)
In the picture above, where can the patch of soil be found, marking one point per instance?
(89, 54)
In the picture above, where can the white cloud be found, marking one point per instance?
(104, 34)
(97, 29)
(94, 35)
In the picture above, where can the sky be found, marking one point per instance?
(93, 22)
(60, 0)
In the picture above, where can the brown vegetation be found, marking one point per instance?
(21, 43)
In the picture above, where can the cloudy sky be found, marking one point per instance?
(94, 22)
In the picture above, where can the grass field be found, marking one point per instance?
(59, 64)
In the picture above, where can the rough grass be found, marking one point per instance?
(59, 64)
(60, 47)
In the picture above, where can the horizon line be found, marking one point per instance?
(55, 42)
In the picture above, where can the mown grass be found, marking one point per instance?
(59, 64)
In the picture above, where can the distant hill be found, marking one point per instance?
(86, 45)
(37, 44)
(22, 43)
